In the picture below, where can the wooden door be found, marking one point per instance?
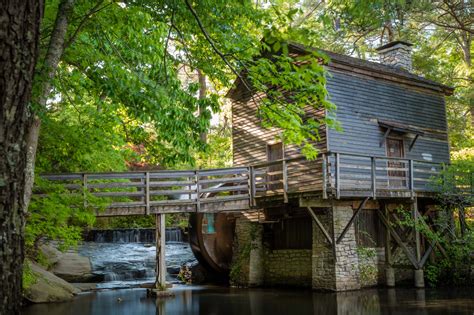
(396, 169)
(274, 153)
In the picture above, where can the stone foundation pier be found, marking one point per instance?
(335, 266)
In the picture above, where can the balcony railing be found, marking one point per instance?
(339, 175)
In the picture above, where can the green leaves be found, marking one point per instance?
(295, 98)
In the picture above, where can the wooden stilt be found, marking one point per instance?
(389, 272)
(160, 283)
(388, 247)
(417, 232)
(418, 273)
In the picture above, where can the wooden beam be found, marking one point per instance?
(338, 175)
(373, 172)
(413, 142)
(388, 251)
(415, 215)
(198, 192)
(147, 193)
(354, 216)
(160, 239)
(320, 225)
(424, 259)
(325, 176)
(438, 245)
(397, 238)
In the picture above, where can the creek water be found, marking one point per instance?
(229, 301)
(126, 258)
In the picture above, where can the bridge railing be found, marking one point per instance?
(331, 174)
(167, 191)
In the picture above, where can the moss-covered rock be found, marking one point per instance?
(47, 287)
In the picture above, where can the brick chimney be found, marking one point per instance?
(396, 54)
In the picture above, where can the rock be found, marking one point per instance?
(84, 287)
(51, 254)
(73, 267)
(173, 270)
(48, 287)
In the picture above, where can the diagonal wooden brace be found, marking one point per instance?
(399, 241)
(320, 225)
(351, 221)
(437, 244)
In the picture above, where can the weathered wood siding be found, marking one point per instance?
(250, 142)
(362, 100)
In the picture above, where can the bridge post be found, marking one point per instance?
(160, 283)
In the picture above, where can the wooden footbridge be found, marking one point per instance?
(332, 175)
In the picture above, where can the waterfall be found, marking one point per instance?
(173, 234)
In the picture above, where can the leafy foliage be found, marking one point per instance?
(60, 216)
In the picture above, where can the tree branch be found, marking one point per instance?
(213, 46)
(85, 19)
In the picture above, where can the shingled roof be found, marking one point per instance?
(338, 60)
(378, 70)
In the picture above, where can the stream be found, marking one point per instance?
(229, 301)
(126, 258)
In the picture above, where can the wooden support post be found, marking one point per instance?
(373, 168)
(399, 240)
(325, 176)
(389, 272)
(285, 181)
(160, 283)
(142, 189)
(198, 193)
(147, 193)
(388, 247)
(249, 184)
(417, 232)
(338, 182)
(411, 179)
(253, 189)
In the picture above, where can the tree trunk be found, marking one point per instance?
(19, 42)
(48, 71)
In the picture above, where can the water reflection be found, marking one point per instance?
(229, 301)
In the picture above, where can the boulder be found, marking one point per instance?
(84, 287)
(48, 287)
(51, 254)
(73, 267)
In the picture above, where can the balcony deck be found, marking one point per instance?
(331, 176)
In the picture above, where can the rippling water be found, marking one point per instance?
(219, 300)
(129, 264)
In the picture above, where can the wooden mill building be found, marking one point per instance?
(312, 217)
(277, 219)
